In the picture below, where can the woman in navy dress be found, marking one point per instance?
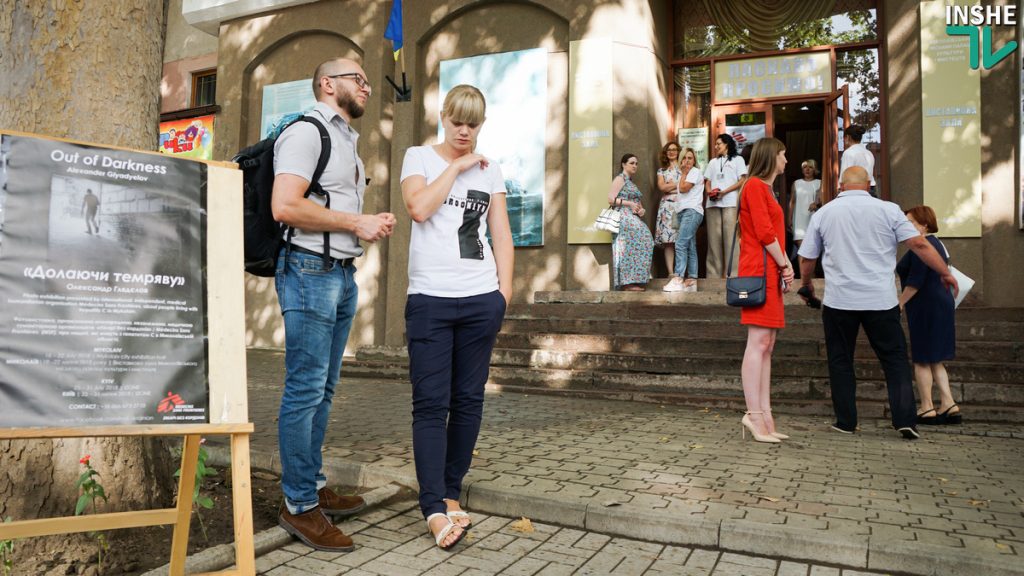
(930, 316)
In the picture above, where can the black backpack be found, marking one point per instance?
(264, 235)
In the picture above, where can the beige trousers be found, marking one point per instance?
(720, 223)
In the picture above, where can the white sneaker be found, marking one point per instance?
(674, 285)
(690, 288)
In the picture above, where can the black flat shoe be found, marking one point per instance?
(932, 420)
(947, 418)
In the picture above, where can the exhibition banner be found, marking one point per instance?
(515, 85)
(103, 306)
(951, 126)
(188, 137)
(786, 75)
(590, 137)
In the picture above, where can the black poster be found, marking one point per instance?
(102, 300)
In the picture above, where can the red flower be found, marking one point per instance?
(85, 460)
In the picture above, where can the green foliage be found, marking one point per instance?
(7, 553)
(200, 500)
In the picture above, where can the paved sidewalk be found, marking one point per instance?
(392, 541)
(950, 503)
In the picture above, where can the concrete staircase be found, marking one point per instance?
(687, 348)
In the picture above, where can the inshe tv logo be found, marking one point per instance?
(967, 20)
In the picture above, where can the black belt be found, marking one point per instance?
(343, 262)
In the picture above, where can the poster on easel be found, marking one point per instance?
(103, 304)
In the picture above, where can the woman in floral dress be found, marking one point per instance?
(665, 230)
(633, 246)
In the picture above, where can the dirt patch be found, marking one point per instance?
(138, 550)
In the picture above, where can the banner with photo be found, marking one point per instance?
(515, 86)
(188, 137)
(283, 103)
(103, 306)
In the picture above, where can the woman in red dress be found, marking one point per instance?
(763, 229)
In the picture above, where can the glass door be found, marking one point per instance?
(837, 118)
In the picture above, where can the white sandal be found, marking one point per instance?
(440, 536)
(456, 515)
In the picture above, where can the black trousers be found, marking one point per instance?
(885, 333)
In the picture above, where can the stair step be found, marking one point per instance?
(704, 345)
(988, 402)
(1008, 332)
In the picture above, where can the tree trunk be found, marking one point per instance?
(83, 70)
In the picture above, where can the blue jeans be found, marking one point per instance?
(450, 342)
(318, 308)
(686, 243)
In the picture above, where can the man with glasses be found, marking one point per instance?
(317, 292)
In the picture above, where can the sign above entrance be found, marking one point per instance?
(787, 75)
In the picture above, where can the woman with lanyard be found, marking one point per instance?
(725, 174)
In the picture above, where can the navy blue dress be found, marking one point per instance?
(930, 313)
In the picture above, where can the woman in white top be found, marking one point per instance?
(804, 199)
(725, 173)
(665, 230)
(459, 288)
(690, 205)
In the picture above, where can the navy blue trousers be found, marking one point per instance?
(450, 342)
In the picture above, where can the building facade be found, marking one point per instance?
(684, 70)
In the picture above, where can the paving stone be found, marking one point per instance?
(317, 567)
(824, 571)
(787, 568)
(273, 559)
(525, 567)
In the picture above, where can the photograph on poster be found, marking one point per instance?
(4, 147)
(515, 87)
(102, 294)
(97, 222)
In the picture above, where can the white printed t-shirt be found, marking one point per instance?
(449, 255)
(694, 199)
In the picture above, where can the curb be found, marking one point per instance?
(742, 536)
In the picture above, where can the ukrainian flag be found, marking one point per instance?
(394, 29)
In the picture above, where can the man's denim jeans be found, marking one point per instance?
(318, 307)
(686, 243)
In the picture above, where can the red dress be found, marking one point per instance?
(761, 223)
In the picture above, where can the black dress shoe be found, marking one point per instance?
(909, 432)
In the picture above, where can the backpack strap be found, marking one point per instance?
(315, 188)
(314, 184)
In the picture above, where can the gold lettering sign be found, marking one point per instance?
(773, 76)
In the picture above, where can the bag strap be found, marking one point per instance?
(735, 231)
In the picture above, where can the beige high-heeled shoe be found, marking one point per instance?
(778, 435)
(748, 425)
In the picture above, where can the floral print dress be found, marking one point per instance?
(633, 246)
(665, 230)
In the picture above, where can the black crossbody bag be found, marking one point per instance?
(744, 291)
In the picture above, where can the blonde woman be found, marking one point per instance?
(459, 288)
(690, 206)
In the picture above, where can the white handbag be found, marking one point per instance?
(608, 220)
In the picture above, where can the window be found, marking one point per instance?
(204, 88)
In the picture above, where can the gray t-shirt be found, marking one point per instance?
(344, 179)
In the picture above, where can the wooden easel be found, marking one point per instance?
(181, 515)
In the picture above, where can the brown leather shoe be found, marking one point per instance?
(315, 530)
(334, 505)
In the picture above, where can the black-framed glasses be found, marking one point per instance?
(363, 83)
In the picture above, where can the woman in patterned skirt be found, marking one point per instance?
(633, 246)
(665, 229)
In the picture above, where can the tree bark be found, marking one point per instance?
(90, 71)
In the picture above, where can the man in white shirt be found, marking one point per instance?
(859, 236)
(855, 154)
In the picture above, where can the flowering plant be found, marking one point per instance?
(92, 491)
